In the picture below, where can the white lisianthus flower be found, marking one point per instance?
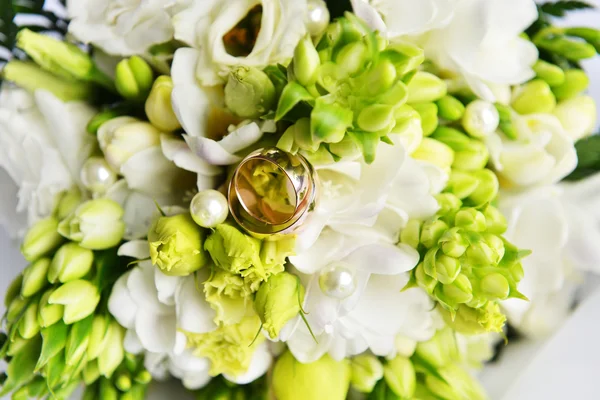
(123, 27)
(375, 199)
(543, 152)
(43, 144)
(373, 315)
(204, 26)
(155, 308)
(395, 18)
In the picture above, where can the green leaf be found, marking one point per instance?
(54, 340)
(588, 155)
(54, 370)
(561, 8)
(21, 368)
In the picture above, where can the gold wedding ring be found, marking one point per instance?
(272, 192)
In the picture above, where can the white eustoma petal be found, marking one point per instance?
(139, 209)
(369, 14)
(210, 151)
(192, 370)
(241, 138)
(120, 303)
(142, 289)
(166, 286)
(194, 314)
(137, 249)
(384, 259)
(321, 310)
(157, 365)
(305, 349)
(132, 343)
(260, 364)
(320, 254)
(179, 152)
(156, 332)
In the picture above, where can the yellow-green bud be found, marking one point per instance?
(495, 285)
(98, 336)
(576, 81)
(458, 292)
(306, 62)
(177, 245)
(534, 97)
(439, 350)
(144, 377)
(455, 384)
(462, 184)
(578, 115)
(96, 224)
(249, 93)
(14, 309)
(379, 81)
(495, 220)
(400, 376)
(425, 88)
(159, 108)
(448, 202)
(429, 117)
(487, 187)
(425, 281)
(34, 277)
(108, 361)
(277, 301)
(450, 108)
(474, 321)
(405, 346)
(431, 231)
(107, 390)
(41, 239)
(590, 35)
(79, 297)
(70, 262)
(435, 152)
(77, 341)
(470, 219)
(90, 373)
(322, 379)
(482, 254)
(49, 314)
(110, 112)
(60, 58)
(123, 382)
(553, 75)
(28, 325)
(366, 371)
(31, 78)
(411, 233)
(454, 243)
(69, 200)
(574, 50)
(407, 56)
(447, 268)
(352, 57)
(133, 78)
(13, 291)
(376, 117)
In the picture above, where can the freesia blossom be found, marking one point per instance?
(204, 26)
(123, 27)
(43, 144)
(373, 315)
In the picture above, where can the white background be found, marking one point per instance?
(554, 368)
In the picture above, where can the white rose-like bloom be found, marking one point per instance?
(123, 27)
(204, 24)
(154, 307)
(395, 18)
(370, 318)
(543, 152)
(43, 144)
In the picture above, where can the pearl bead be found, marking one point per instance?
(318, 17)
(209, 208)
(337, 281)
(481, 119)
(97, 176)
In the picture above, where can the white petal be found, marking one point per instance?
(179, 152)
(132, 343)
(260, 364)
(210, 151)
(241, 138)
(166, 286)
(320, 254)
(137, 249)
(156, 332)
(120, 303)
(194, 314)
(384, 259)
(142, 289)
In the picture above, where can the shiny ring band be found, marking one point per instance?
(272, 192)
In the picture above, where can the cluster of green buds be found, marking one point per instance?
(128, 382)
(349, 92)
(572, 43)
(433, 371)
(467, 266)
(58, 330)
(220, 388)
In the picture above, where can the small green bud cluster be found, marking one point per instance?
(573, 44)
(347, 93)
(220, 388)
(466, 263)
(128, 382)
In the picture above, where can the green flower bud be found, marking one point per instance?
(429, 117)
(79, 297)
(474, 321)
(424, 281)
(28, 325)
(13, 291)
(106, 115)
(90, 373)
(495, 285)
(60, 58)
(347, 148)
(31, 78)
(411, 233)
(425, 88)
(376, 117)
(159, 108)
(96, 224)
(458, 292)
(322, 379)
(133, 78)
(576, 81)
(450, 108)
(435, 152)
(49, 314)
(578, 115)
(474, 159)
(471, 219)
(406, 56)
(329, 122)
(432, 231)
(41, 239)
(549, 73)
(447, 268)
(70, 262)
(439, 350)
(574, 50)
(454, 244)
(16, 306)
(98, 336)
(454, 383)
(366, 370)
(534, 97)
(107, 390)
(34, 277)
(482, 254)
(176, 245)
(449, 203)
(487, 187)
(278, 301)
(69, 200)
(123, 382)
(306, 62)
(506, 121)
(143, 377)
(495, 221)
(590, 35)
(111, 358)
(462, 184)
(249, 93)
(400, 376)
(77, 341)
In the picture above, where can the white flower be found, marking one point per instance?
(375, 199)
(396, 18)
(543, 153)
(204, 24)
(43, 144)
(373, 315)
(123, 27)
(154, 308)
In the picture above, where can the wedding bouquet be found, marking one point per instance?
(289, 199)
